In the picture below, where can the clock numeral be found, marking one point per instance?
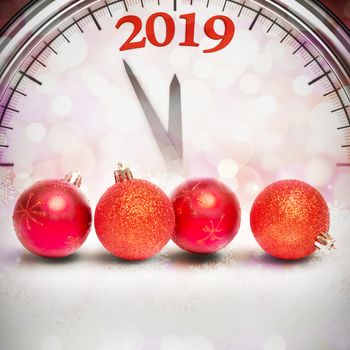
(190, 26)
(190, 19)
(137, 23)
(225, 38)
(169, 25)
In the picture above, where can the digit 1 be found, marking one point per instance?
(190, 19)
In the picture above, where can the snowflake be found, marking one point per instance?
(32, 212)
(7, 191)
(211, 230)
(186, 197)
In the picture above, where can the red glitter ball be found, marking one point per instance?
(287, 218)
(52, 218)
(134, 219)
(207, 215)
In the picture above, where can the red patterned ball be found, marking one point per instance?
(52, 218)
(207, 215)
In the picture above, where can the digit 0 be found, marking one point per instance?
(169, 32)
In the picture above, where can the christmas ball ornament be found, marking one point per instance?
(207, 215)
(52, 218)
(134, 218)
(290, 220)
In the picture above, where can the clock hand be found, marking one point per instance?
(175, 116)
(165, 144)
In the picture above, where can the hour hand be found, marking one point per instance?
(166, 143)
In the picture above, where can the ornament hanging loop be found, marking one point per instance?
(325, 240)
(74, 178)
(122, 174)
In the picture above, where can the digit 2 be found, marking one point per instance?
(137, 23)
(151, 36)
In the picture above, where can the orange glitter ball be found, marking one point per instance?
(288, 218)
(134, 219)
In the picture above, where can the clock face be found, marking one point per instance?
(175, 90)
(244, 91)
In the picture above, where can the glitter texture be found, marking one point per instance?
(134, 219)
(287, 217)
(7, 191)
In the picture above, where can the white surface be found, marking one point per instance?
(237, 299)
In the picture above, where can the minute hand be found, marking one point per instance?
(165, 143)
(175, 116)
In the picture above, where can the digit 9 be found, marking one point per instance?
(226, 37)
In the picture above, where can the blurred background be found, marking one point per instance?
(177, 301)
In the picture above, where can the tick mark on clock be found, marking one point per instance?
(94, 19)
(331, 92)
(125, 6)
(61, 33)
(18, 92)
(313, 59)
(300, 46)
(109, 10)
(339, 109)
(51, 48)
(284, 38)
(223, 8)
(240, 11)
(255, 19)
(25, 74)
(6, 127)
(319, 77)
(10, 109)
(37, 60)
(77, 24)
(272, 24)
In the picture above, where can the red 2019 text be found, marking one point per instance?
(131, 42)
